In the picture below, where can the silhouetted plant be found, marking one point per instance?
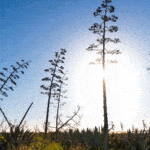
(70, 119)
(101, 30)
(12, 76)
(54, 85)
(17, 136)
(58, 98)
(55, 90)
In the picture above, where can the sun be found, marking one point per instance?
(122, 89)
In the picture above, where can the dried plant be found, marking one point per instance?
(101, 30)
(13, 75)
(55, 80)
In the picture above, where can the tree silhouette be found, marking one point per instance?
(55, 80)
(101, 29)
(13, 76)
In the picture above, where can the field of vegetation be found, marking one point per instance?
(18, 139)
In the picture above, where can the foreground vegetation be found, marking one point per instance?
(18, 139)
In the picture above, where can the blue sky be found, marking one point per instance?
(35, 30)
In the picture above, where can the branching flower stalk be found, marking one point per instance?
(11, 77)
(71, 118)
(53, 85)
(101, 30)
(58, 103)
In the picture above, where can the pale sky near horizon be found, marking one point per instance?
(34, 30)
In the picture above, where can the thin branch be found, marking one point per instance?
(12, 74)
(67, 121)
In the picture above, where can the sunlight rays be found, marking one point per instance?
(122, 89)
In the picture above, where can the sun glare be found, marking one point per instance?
(122, 89)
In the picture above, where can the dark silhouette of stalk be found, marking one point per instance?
(58, 103)
(10, 125)
(17, 135)
(48, 103)
(104, 87)
(98, 29)
(53, 84)
(105, 113)
(5, 118)
(64, 124)
(25, 114)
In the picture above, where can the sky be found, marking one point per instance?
(34, 30)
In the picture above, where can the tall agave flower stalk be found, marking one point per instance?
(101, 30)
(59, 96)
(53, 84)
(12, 76)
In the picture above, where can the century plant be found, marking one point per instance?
(101, 29)
(15, 139)
(17, 136)
(58, 98)
(59, 94)
(55, 80)
(12, 76)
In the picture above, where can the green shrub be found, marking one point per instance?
(39, 143)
